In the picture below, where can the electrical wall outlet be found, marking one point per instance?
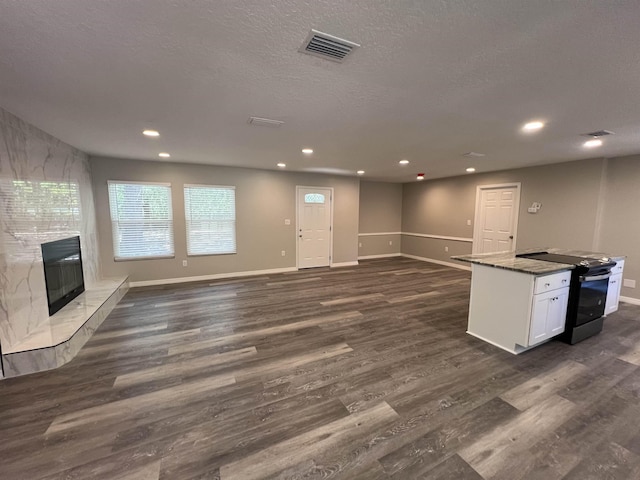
(446, 249)
(390, 242)
(184, 263)
(627, 282)
(360, 244)
(287, 221)
(468, 223)
(283, 253)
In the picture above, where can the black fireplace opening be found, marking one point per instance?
(63, 274)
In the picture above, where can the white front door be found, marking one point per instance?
(496, 219)
(314, 227)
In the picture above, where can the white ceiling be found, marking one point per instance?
(433, 79)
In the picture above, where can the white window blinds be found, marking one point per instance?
(142, 220)
(39, 211)
(210, 213)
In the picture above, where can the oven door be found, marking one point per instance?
(592, 297)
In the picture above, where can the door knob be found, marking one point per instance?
(510, 237)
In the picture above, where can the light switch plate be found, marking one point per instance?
(287, 221)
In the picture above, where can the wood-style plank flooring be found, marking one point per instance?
(359, 373)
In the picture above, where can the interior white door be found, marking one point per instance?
(314, 227)
(496, 219)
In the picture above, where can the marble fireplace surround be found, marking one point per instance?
(57, 340)
(46, 194)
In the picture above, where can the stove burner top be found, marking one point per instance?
(588, 263)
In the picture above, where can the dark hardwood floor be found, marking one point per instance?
(360, 373)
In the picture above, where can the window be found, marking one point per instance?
(141, 219)
(210, 212)
(41, 210)
(37, 211)
(313, 198)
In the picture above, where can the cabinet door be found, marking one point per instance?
(613, 294)
(539, 317)
(558, 312)
(548, 315)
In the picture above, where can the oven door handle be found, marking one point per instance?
(595, 277)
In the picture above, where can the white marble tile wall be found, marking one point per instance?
(33, 156)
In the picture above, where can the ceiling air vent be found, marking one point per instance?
(473, 154)
(264, 122)
(327, 46)
(598, 133)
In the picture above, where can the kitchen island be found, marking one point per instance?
(518, 303)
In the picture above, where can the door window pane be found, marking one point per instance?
(313, 198)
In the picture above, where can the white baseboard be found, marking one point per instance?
(631, 300)
(344, 264)
(217, 276)
(439, 262)
(384, 255)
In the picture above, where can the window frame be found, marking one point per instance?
(188, 221)
(171, 226)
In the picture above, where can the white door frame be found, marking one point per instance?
(476, 220)
(297, 231)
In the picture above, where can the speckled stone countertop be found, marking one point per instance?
(584, 253)
(509, 261)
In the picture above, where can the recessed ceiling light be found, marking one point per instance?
(360, 172)
(471, 170)
(282, 165)
(532, 126)
(164, 155)
(596, 142)
(307, 151)
(404, 162)
(151, 133)
(420, 176)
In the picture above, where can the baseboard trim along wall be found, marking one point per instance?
(344, 264)
(439, 237)
(424, 235)
(217, 276)
(439, 262)
(378, 233)
(382, 255)
(631, 300)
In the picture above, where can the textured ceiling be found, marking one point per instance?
(433, 79)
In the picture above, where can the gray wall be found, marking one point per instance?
(567, 191)
(620, 228)
(380, 213)
(264, 199)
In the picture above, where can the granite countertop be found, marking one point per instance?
(509, 261)
(585, 254)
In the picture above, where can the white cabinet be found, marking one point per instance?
(548, 315)
(613, 292)
(515, 310)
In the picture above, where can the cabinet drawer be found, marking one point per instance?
(552, 282)
(618, 268)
